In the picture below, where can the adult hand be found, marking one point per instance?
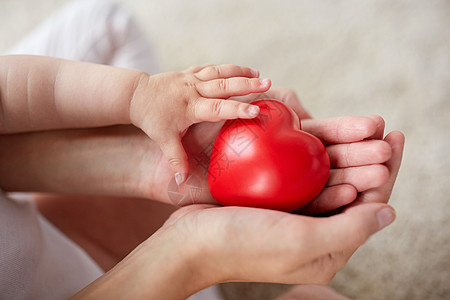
(357, 155)
(201, 245)
(220, 244)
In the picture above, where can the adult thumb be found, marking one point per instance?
(351, 228)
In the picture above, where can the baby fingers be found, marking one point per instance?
(213, 110)
(225, 71)
(236, 86)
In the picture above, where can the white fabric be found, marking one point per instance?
(37, 261)
(92, 31)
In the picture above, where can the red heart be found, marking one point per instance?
(268, 161)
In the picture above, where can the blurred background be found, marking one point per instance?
(384, 57)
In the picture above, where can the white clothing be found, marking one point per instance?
(37, 261)
(96, 31)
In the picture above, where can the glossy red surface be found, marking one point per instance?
(268, 161)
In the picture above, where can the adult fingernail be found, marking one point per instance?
(179, 178)
(385, 217)
(253, 110)
(264, 82)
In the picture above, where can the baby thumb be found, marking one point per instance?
(176, 156)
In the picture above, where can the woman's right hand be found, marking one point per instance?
(201, 245)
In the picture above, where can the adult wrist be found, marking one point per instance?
(162, 267)
(76, 161)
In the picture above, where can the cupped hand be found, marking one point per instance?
(222, 244)
(249, 244)
(357, 153)
(165, 105)
(359, 159)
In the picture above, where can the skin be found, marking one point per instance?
(42, 93)
(224, 244)
(218, 243)
(135, 213)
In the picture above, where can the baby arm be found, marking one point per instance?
(41, 93)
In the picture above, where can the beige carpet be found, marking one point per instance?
(343, 58)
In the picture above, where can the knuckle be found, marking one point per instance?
(174, 161)
(217, 107)
(346, 155)
(223, 84)
(218, 71)
(326, 269)
(193, 110)
(338, 128)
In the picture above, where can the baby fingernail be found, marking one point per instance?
(253, 110)
(264, 82)
(179, 178)
(385, 217)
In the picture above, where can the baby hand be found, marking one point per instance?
(165, 105)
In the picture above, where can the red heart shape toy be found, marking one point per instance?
(268, 161)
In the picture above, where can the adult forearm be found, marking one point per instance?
(107, 161)
(39, 93)
(166, 266)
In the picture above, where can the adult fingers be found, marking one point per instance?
(330, 199)
(236, 86)
(362, 178)
(213, 110)
(340, 129)
(396, 140)
(350, 229)
(225, 71)
(290, 98)
(359, 153)
(379, 133)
